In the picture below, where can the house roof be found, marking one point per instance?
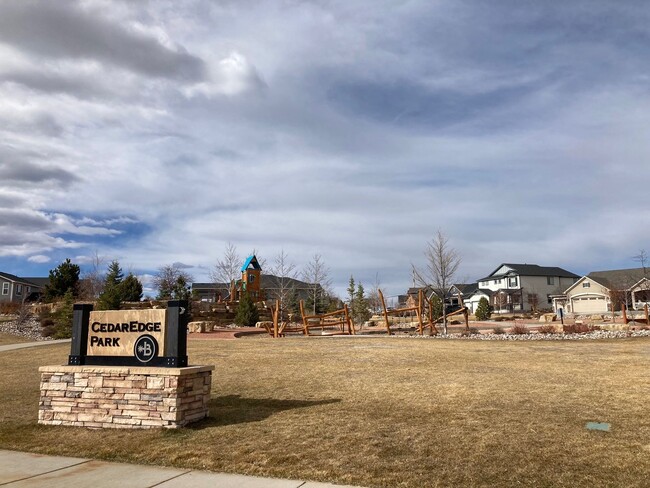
(619, 279)
(269, 282)
(466, 288)
(251, 261)
(530, 270)
(39, 282)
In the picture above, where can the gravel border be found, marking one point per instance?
(595, 335)
(30, 329)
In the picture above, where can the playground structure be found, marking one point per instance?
(331, 323)
(422, 313)
(627, 320)
(399, 311)
(250, 282)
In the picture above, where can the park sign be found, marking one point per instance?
(153, 337)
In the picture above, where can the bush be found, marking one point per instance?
(519, 329)
(48, 331)
(247, 313)
(547, 329)
(483, 310)
(500, 319)
(498, 330)
(48, 322)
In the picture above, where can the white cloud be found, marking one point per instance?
(232, 75)
(39, 258)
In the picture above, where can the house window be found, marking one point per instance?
(497, 282)
(19, 289)
(512, 281)
(550, 280)
(251, 278)
(5, 288)
(586, 284)
(549, 299)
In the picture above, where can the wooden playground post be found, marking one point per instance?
(276, 319)
(383, 305)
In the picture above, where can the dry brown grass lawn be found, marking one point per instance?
(384, 412)
(11, 339)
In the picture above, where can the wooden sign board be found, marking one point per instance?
(116, 332)
(156, 337)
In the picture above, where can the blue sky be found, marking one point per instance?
(156, 132)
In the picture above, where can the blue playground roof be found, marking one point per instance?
(251, 260)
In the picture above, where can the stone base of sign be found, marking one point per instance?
(124, 396)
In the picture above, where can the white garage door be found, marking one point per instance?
(589, 305)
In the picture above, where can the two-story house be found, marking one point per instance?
(521, 287)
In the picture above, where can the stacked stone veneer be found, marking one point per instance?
(124, 397)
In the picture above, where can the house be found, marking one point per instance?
(600, 291)
(452, 299)
(16, 289)
(259, 286)
(521, 287)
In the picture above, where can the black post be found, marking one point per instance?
(80, 322)
(176, 336)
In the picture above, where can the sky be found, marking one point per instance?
(158, 132)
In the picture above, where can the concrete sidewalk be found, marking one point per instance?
(25, 470)
(22, 345)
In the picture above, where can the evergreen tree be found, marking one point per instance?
(437, 306)
(131, 289)
(172, 283)
(63, 317)
(351, 293)
(483, 310)
(293, 304)
(360, 312)
(247, 314)
(63, 278)
(111, 297)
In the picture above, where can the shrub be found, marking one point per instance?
(519, 329)
(247, 313)
(568, 329)
(48, 331)
(500, 319)
(547, 329)
(483, 310)
(498, 330)
(581, 328)
(48, 322)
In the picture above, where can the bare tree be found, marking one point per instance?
(642, 259)
(442, 262)
(316, 274)
(285, 276)
(373, 295)
(172, 283)
(92, 282)
(229, 268)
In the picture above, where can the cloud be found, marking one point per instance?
(353, 131)
(26, 172)
(233, 75)
(67, 30)
(39, 258)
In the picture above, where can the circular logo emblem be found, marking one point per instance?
(145, 349)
